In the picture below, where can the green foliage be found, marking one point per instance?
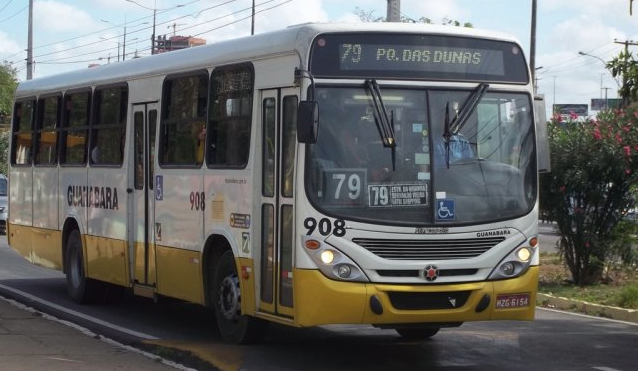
(628, 297)
(626, 66)
(4, 151)
(368, 16)
(8, 83)
(591, 187)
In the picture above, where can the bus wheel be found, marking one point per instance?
(82, 290)
(233, 326)
(417, 333)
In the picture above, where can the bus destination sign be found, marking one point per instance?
(409, 58)
(417, 56)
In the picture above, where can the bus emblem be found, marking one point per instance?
(431, 273)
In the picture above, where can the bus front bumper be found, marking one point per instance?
(321, 301)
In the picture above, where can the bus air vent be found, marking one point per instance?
(397, 249)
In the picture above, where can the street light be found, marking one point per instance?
(600, 59)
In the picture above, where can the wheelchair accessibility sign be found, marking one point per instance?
(445, 209)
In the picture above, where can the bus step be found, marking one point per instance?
(144, 290)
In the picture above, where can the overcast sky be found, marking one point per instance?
(70, 34)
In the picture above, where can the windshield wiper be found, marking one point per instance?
(447, 135)
(454, 127)
(385, 122)
(467, 109)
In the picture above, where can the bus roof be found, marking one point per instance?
(293, 39)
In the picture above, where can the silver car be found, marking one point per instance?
(4, 204)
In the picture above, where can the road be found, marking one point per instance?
(547, 238)
(554, 341)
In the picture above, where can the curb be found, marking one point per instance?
(556, 302)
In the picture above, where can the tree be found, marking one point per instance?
(368, 16)
(8, 83)
(626, 66)
(591, 187)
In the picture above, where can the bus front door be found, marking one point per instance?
(142, 197)
(279, 116)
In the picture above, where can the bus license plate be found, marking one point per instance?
(512, 301)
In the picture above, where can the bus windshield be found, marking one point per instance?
(482, 171)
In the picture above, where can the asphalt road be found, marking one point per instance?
(554, 341)
(548, 238)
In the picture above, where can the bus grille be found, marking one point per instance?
(428, 249)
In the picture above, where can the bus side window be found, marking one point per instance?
(23, 132)
(108, 126)
(230, 116)
(74, 128)
(183, 120)
(47, 127)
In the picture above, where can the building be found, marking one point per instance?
(164, 44)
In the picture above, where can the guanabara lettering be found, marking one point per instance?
(95, 197)
(503, 232)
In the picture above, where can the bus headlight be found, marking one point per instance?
(331, 262)
(524, 254)
(344, 271)
(514, 264)
(327, 256)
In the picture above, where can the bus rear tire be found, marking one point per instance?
(81, 289)
(417, 333)
(226, 300)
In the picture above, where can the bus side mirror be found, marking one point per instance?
(307, 121)
(542, 137)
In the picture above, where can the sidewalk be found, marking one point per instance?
(32, 341)
(557, 302)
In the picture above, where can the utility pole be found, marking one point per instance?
(153, 35)
(532, 43)
(394, 11)
(124, 44)
(625, 100)
(252, 23)
(554, 103)
(30, 43)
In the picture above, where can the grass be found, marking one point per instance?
(621, 290)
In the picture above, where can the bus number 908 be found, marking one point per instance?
(325, 227)
(198, 201)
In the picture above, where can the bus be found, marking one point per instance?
(381, 174)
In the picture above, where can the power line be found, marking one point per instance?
(16, 13)
(6, 5)
(65, 60)
(102, 30)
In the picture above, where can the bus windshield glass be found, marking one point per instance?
(483, 172)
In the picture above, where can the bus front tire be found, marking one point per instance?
(81, 289)
(226, 300)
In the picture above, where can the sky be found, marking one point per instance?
(71, 34)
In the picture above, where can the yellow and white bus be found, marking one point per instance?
(381, 174)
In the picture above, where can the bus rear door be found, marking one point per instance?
(141, 231)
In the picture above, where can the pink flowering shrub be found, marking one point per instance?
(591, 187)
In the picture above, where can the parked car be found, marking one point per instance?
(4, 204)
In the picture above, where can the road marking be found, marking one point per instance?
(603, 368)
(79, 315)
